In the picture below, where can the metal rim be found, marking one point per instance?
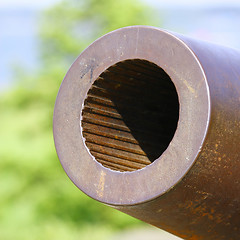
(164, 50)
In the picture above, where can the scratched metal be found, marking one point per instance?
(148, 122)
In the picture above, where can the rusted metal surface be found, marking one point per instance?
(148, 122)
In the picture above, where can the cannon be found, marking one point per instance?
(148, 122)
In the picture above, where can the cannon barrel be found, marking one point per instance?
(148, 122)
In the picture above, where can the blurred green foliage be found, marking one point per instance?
(38, 201)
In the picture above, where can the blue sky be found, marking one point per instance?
(164, 3)
(26, 3)
(194, 3)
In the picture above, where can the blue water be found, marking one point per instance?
(18, 42)
(217, 25)
(18, 33)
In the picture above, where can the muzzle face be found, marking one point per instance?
(131, 115)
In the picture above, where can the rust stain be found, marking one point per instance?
(195, 237)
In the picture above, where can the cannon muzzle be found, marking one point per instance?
(148, 122)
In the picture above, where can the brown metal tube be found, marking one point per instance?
(148, 122)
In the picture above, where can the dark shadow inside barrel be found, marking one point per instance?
(130, 115)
